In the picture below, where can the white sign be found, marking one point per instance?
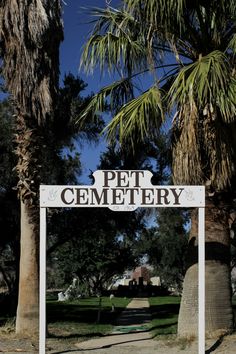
(122, 190)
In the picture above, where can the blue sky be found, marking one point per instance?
(76, 29)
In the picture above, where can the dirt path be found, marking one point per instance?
(160, 346)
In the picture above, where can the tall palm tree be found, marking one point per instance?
(189, 48)
(30, 34)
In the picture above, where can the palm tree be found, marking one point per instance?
(30, 34)
(189, 48)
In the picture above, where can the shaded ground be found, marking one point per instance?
(132, 334)
(12, 344)
(129, 336)
(162, 346)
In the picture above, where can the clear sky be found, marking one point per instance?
(76, 29)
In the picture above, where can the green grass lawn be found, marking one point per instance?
(164, 310)
(78, 318)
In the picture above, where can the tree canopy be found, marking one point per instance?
(189, 48)
(165, 246)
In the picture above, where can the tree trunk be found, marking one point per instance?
(218, 307)
(28, 301)
(30, 35)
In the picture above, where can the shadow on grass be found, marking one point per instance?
(164, 311)
(164, 319)
(161, 326)
(78, 320)
(81, 314)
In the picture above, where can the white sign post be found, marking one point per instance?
(123, 190)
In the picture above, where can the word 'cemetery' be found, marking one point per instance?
(119, 190)
(121, 196)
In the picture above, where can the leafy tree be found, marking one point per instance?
(189, 47)
(9, 205)
(70, 104)
(94, 254)
(166, 246)
(65, 167)
(95, 251)
(63, 135)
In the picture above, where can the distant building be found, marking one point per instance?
(142, 274)
(124, 280)
(156, 281)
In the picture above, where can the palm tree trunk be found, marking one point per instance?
(27, 320)
(218, 307)
(28, 150)
(30, 35)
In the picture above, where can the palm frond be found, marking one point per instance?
(140, 117)
(115, 20)
(232, 44)
(157, 11)
(227, 102)
(114, 44)
(118, 93)
(202, 88)
(207, 81)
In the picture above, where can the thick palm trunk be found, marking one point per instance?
(27, 321)
(30, 34)
(28, 141)
(218, 312)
